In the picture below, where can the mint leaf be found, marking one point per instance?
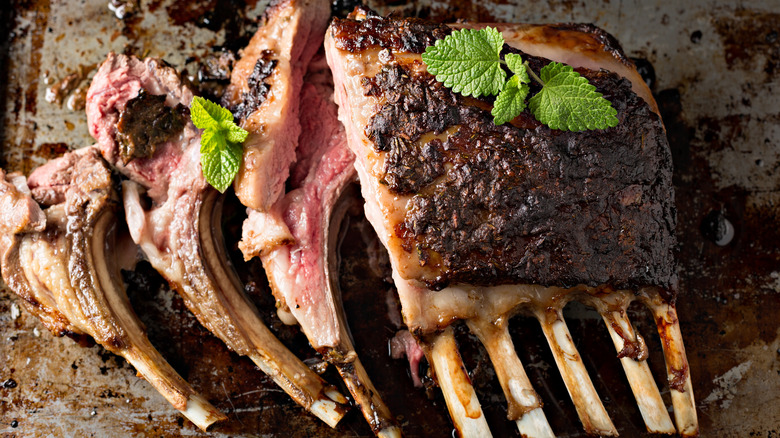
(221, 163)
(206, 113)
(569, 102)
(233, 132)
(511, 101)
(468, 61)
(220, 142)
(515, 63)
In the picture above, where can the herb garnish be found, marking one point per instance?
(469, 61)
(220, 142)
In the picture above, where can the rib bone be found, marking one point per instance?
(524, 404)
(589, 407)
(632, 352)
(455, 384)
(665, 315)
(342, 353)
(180, 231)
(69, 266)
(211, 292)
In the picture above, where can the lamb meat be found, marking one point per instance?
(59, 255)
(483, 221)
(288, 121)
(299, 272)
(264, 96)
(179, 229)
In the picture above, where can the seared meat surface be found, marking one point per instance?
(483, 221)
(519, 202)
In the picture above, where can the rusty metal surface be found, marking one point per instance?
(716, 79)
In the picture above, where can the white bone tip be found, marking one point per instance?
(201, 412)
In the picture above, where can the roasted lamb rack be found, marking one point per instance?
(136, 111)
(59, 254)
(483, 222)
(282, 93)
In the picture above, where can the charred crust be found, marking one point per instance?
(415, 105)
(145, 123)
(408, 35)
(409, 168)
(521, 203)
(257, 87)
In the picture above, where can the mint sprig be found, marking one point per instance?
(469, 61)
(220, 142)
(568, 101)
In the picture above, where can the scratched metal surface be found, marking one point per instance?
(716, 79)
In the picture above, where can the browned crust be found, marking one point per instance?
(519, 203)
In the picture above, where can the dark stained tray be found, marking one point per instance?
(715, 69)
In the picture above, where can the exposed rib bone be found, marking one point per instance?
(679, 376)
(460, 396)
(589, 407)
(179, 230)
(303, 385)
(343, 354)
(72, 267)
(632, 352)
(524, 404)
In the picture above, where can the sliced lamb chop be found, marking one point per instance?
(62, 262)
(288, 120)
(264, 95)
(136, 111)
(298, 272)
(484, 221)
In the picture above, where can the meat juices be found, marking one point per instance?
(282, 93)
(61, 261)
(180, 231)
(484, 221)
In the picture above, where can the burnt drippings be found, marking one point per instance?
(341, 8)
(529, 205)
(749, 40)
(258, 87)
(717, 228)
(145, 123)
(646, 70)
(409, 35)
(213, 74)
(216, 66)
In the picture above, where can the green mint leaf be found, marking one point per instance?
(468, 61)
(220, 142)
(515, 63)
(206, 114)
(233, 132)
(569, 102)
(220, 159)
(511, 101)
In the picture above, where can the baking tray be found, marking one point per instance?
(714, 69)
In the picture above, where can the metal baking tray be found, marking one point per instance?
(715, 69)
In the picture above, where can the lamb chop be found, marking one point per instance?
(62, 261)
(264, 95)
(293, 119)
(137, 113)
(483, 222)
